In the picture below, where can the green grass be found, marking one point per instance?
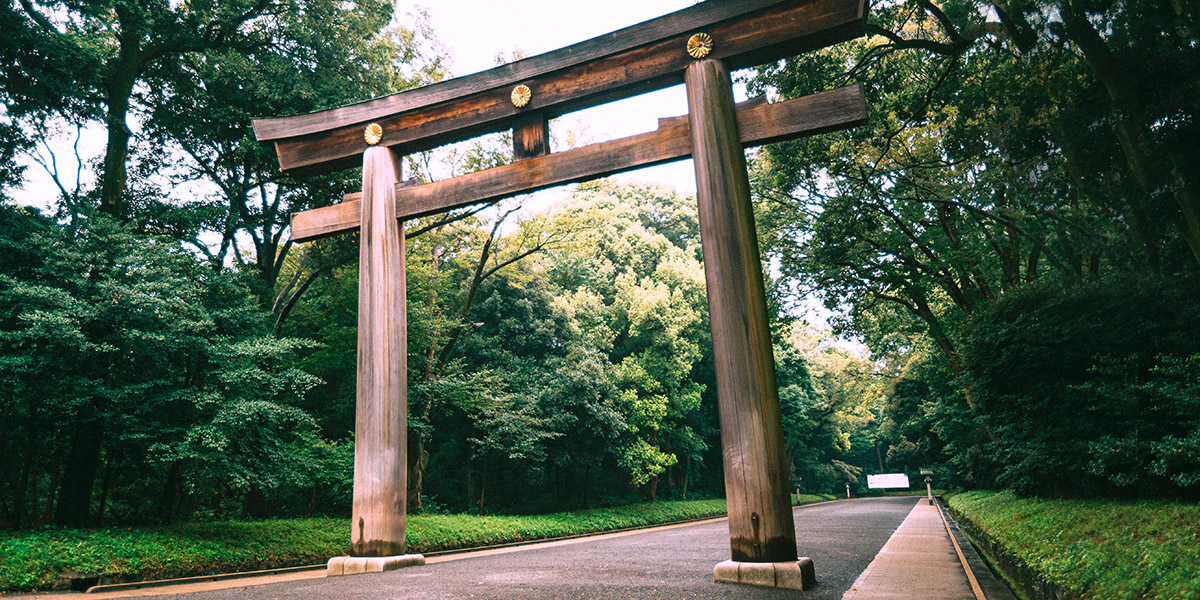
(38, 559)
(429, 533)
(1096, 549)
(810, 498)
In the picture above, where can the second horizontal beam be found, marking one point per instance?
(759, 123)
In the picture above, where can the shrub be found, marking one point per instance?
(1093, 390)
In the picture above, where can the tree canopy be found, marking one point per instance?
(1023, 163)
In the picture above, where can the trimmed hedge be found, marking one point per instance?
(1087, 549)
(47, 558)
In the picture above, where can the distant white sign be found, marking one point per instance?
(885, 481)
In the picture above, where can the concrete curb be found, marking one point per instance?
(1008, 575)
(136, 585)
(993, 585)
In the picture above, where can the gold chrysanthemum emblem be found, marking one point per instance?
(521, 95)
(373, 133)
(699, 45)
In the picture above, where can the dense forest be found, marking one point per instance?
(1014, 238)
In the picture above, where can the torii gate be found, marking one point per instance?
(698, 46)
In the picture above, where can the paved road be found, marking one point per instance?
(841, 537)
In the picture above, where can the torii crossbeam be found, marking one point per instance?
(697, 46)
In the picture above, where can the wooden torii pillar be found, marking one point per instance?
(697, 46)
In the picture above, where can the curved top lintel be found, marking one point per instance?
(640, 58)
(700, 15)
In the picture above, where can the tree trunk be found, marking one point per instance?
(418, 457)
(1189, 203)
(5, 481)
(79, 476)
(952, 357)
(587, 486)
(482, 483)
(1131, 127)
(687, 470)
(51, 490)
(33, 454)
(652, 489)
(169, 501)
(418, 460)
(119, 89)
(106, 484)
(254, 505)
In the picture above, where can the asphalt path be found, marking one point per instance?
(841, 537)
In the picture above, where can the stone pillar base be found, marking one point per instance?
(798, 575)
(353, 565)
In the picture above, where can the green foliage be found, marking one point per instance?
(121, 347)
(819, 417)
(1020, 158)
(651, 309)
(1094, 389)
(201, 105)
(1095, 549)
(927, 415)
(644, 462)
(35, 559)
(428, 533)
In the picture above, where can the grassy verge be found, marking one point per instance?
(810, 498)
(46, 558)
(1094, 549)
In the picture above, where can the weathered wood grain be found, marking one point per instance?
(758, 123)
(756, 469)
(531, 135)
(381, 410)
(621, 64)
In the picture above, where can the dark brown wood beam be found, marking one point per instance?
(531, 135)
(648, 56)
(759, 123)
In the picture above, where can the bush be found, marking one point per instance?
(1093, 390)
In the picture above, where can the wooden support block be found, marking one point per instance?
(381, 414)
(761, 529)
(531, 135)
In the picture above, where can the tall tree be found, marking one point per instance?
(86, 60)
(116, 346)
(971, 180)
(1013, 146)
(200, 106)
